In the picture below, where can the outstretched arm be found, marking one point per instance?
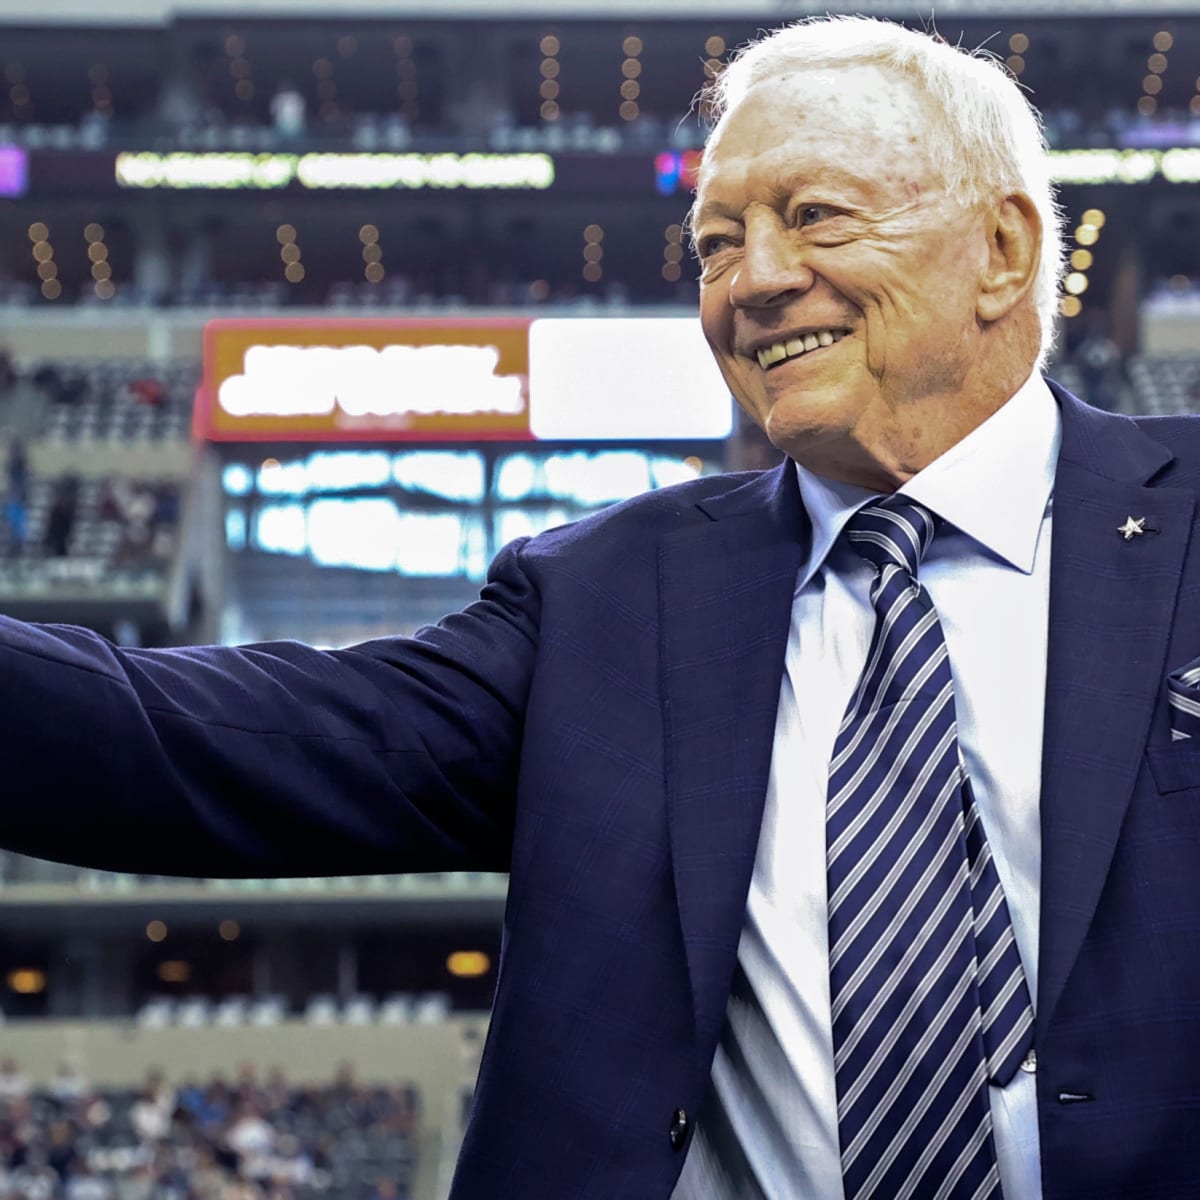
(395, 755)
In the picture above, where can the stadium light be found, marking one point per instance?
(26, 981)
(468, 964)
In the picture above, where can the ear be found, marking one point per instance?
(1014, 231)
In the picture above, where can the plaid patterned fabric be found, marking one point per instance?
(601, 725)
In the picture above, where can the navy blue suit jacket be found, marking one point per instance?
(600, 725)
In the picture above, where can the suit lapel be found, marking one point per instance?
(726, 590)
(1112, 604)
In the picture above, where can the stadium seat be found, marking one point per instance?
(321, 1009)
(157, 1013)
(268, 1011)
(396, 1009)
(231, 1012)
(358, 1010)
(432, 1008)
(194, 1012)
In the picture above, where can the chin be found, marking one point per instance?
(798, 425)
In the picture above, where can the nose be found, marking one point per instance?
(772, 268)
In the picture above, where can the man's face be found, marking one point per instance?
(820, 223)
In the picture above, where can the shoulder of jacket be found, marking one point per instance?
(641, 517)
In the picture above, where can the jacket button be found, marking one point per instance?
(679, 1129)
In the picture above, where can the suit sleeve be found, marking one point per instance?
(276, 759)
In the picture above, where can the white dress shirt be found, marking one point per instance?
(769, 1124)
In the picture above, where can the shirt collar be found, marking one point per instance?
(993, 485)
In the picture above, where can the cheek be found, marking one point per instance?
(903, 320)
(716, 323)
(882, 320)
(883, 290)
(714, 319)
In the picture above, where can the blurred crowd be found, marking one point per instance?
(190, 116)
(251, 1137)
(129, 524)
(122, 522)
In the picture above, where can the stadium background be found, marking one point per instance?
(457, 175)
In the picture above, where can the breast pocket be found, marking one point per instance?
(1176, 767)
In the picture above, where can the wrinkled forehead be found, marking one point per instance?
(851, 102)
(864, 120)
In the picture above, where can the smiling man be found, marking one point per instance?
(826, 210)
(879, 252)
(850, 808)
(870, 285)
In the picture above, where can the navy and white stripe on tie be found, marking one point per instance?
(929, 997)
(1184, 699)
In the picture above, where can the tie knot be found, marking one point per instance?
(895, 530)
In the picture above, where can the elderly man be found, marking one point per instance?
(878, 280)
(848, 807)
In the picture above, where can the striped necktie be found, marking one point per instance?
(929, 996)
(1184, 699)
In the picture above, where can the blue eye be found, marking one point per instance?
(706, 247)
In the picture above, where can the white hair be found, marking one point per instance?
(991, 142)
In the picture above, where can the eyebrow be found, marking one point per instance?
(849, 185)
(712, 208)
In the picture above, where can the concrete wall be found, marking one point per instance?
(1170, 329)
(85, 332)
(437, 1058)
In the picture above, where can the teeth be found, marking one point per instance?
(769, 355)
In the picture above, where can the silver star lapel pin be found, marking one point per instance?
(1133, 527)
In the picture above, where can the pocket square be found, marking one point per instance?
(1183, 695)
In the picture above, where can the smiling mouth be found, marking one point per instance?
(779, 352)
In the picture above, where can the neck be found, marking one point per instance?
(884, 453)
